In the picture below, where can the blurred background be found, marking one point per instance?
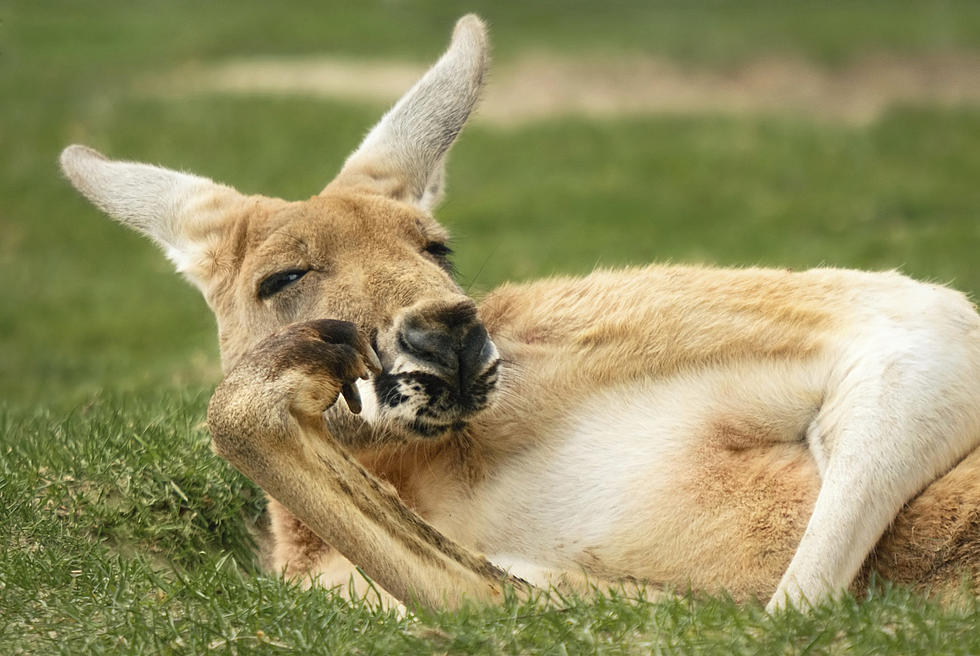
(612, 133)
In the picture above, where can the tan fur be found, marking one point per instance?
(673, 425)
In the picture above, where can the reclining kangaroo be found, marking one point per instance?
(750, 430)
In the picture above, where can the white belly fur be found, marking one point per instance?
(607, 476)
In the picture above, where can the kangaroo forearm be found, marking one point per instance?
(299, 464)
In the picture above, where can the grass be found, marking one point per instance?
(121, 532)
(124, 534)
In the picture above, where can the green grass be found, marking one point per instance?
(121, 532)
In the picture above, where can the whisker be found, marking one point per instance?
(480, 270)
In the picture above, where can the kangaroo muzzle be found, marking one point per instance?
(440, 367)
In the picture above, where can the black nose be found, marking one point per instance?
(451, 340)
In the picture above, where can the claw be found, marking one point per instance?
(352, 397)
(373, 361)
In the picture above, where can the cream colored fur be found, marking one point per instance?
(751, 430)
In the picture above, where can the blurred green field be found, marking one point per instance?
(107, 358)
(88, 306)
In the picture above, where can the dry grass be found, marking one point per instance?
(538, 86)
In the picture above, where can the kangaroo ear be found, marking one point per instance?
(182, 213)
(402, 156)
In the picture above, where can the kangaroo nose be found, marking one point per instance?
(474, 350)
(455, 343)
(429, 345)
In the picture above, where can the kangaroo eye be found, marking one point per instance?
(438, 250)
(440, 253)
(279, 281)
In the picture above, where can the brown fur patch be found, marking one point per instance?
(935, 540)
(763, 490)
(296, 550)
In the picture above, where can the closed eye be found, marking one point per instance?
(279, 281)
(440, 252)
(438, 249)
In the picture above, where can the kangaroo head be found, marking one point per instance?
(365, 250)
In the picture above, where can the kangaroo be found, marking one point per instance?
(771, 433)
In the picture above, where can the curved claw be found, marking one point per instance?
(373, 361)
(352, 397)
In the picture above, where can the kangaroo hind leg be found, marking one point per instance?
(901, 408)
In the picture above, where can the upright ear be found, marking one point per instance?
(182, 213)
(402, 156)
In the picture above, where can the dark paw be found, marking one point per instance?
(326, 351)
